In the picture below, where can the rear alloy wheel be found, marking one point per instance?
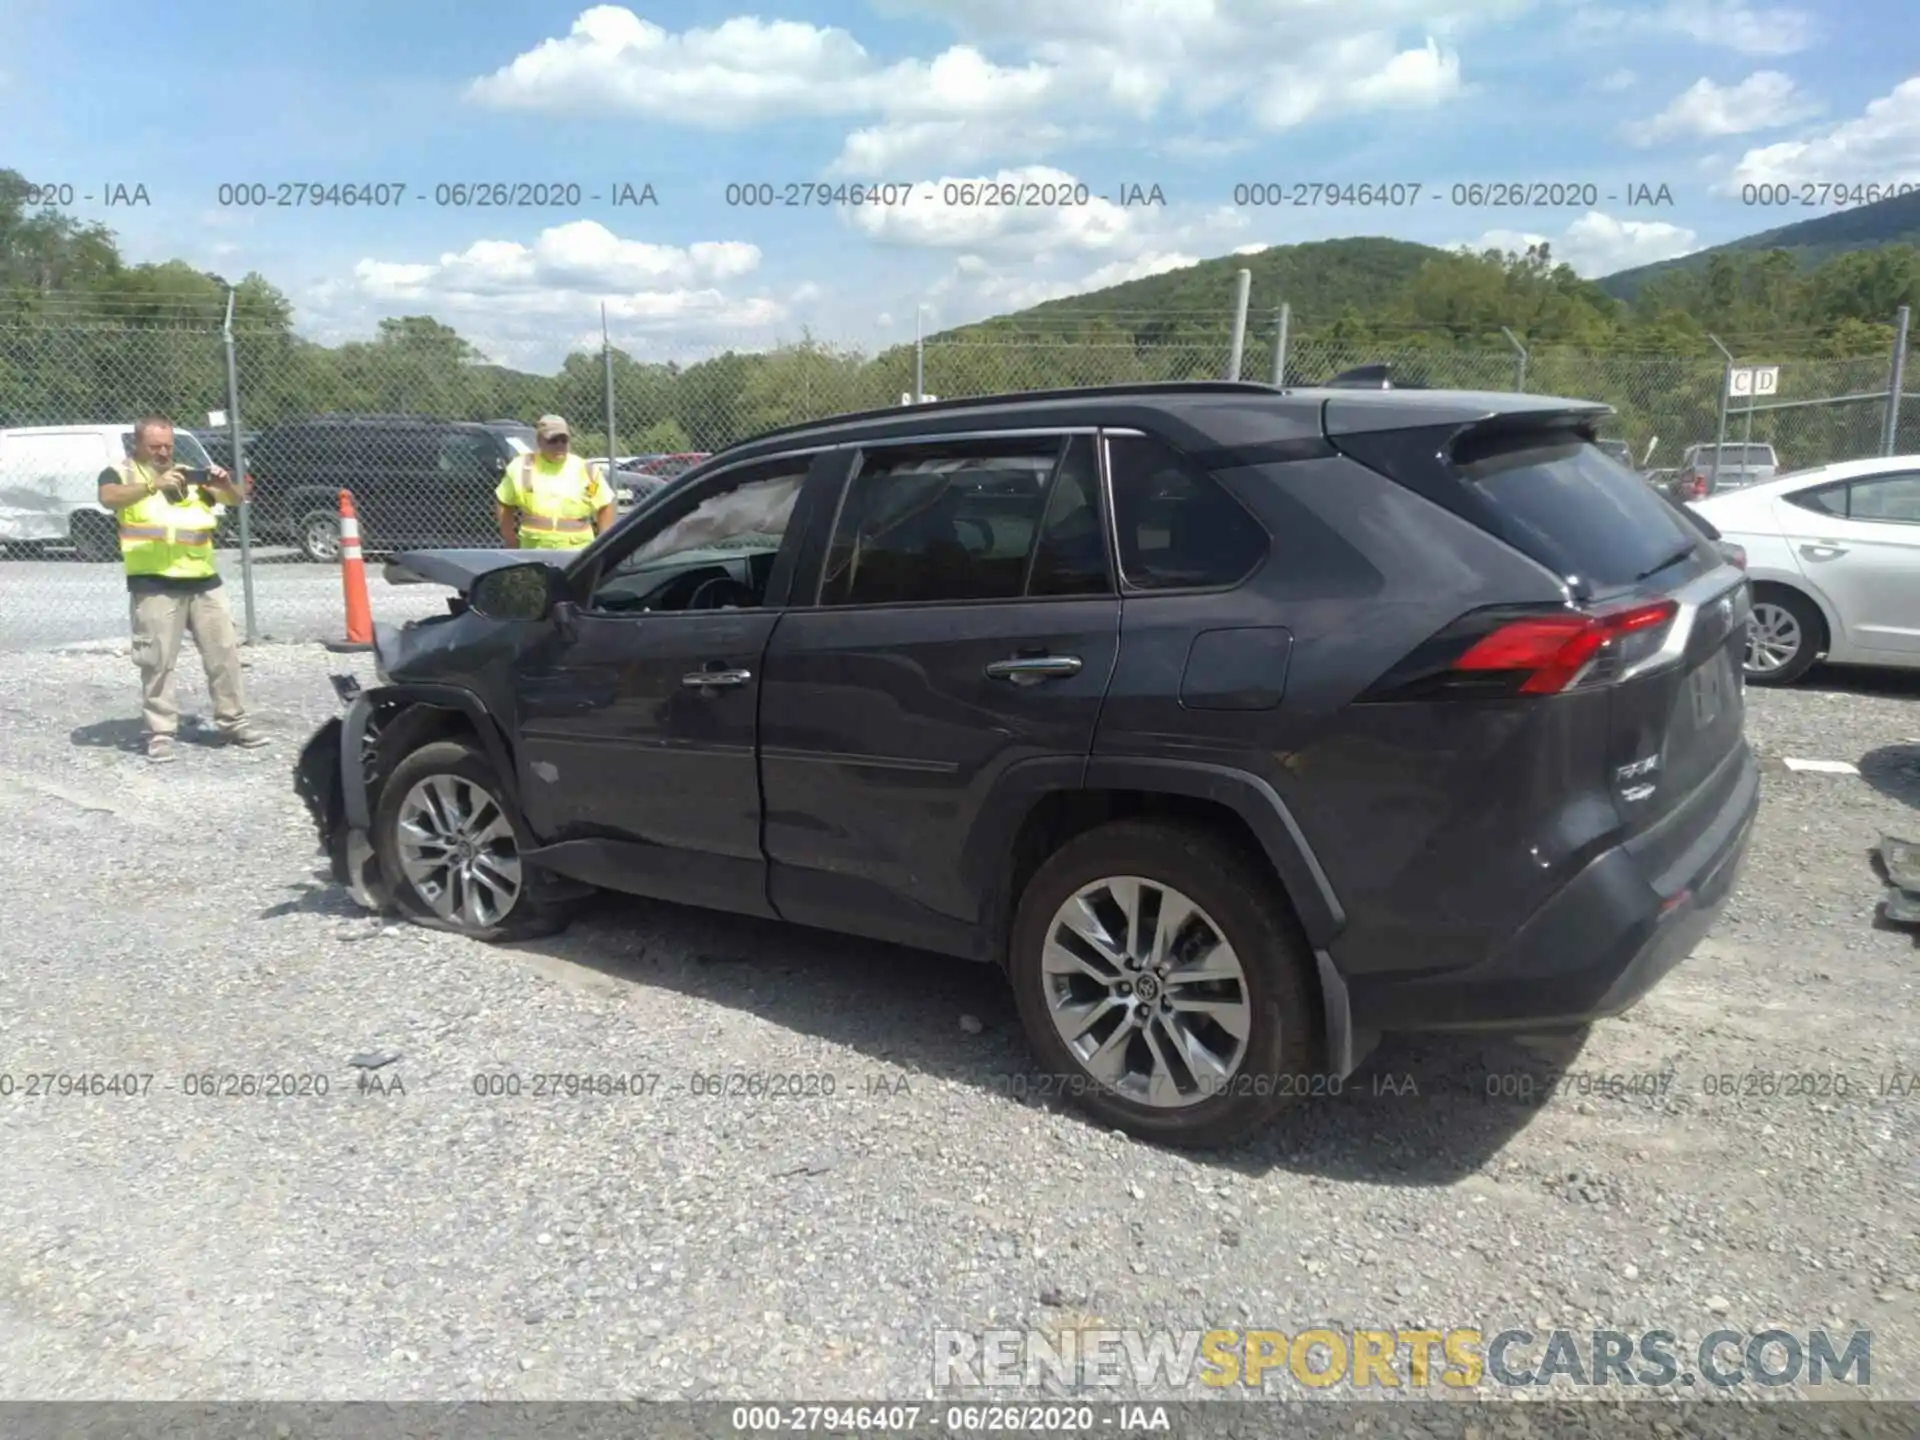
(1164, 983)
(319, 532)
(449, 849)
(1784, 638)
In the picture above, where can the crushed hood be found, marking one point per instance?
(460, 568)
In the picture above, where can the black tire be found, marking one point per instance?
(317, 533)
(1809, 627)
(95, 539)
(1284, 1041)
(530, 914)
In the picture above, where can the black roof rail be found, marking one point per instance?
(1014, 397)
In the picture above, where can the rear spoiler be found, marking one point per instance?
(1367, 377)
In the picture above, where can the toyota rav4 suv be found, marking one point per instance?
(1238, 725)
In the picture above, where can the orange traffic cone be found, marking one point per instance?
(353, 582)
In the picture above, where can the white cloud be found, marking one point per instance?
(1724, 24)
(519, 303)
(1034, 210)
(1617, 83)
(578, 258)
(1272, 64)
(744, 72)
(1739, 26)
(977, 286)
(1880, 146)
(1765, 100)
(1014, 254)
(1597, 244)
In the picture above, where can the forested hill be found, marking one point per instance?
(1320, 280)
(1894, 221)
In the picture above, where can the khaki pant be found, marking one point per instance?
(159, 621)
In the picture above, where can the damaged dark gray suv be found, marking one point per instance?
(1238, 725)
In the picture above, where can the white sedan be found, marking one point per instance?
(1834, 556)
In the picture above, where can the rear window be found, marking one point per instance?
(1575, 509)
(187, 450)
(1739, 454)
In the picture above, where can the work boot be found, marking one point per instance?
(159, 748)
(245, 736)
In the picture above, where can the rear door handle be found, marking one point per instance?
(1825, 547)
(1032, 669)
(716, 679)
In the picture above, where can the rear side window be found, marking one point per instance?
(1574, 509)
(1894, 498)
(1828, 500)
(1177, 527)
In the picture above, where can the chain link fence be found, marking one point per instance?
(421, 432)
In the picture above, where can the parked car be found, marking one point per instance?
(415, 481)
(1236, 725)
(1740, 465)
(638, 476)
(1834, 556)
(49, 485)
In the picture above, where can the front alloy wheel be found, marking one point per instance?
(458, 851)
(1146, 992)
(320, 537)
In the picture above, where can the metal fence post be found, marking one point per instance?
(919, 353)
(606, 352)
(1280, 343)
(240, 473)
(1241, 294)
(1726, 393)
(1520, 362)
(1890, 441)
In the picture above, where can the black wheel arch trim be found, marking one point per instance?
(1255, 802)
(464, 702)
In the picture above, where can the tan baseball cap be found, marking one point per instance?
(548, 426)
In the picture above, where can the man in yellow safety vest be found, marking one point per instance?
(552, 500)
(166, 523)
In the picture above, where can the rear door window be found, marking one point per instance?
(1575, 510)
(1891, 498)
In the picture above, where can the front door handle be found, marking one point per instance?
(1032, 669)
(716, 679)
(1820, 549)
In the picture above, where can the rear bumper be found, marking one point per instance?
(1592, 951)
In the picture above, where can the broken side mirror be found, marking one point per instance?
(517, 592)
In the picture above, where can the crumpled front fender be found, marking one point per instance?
(330, 779)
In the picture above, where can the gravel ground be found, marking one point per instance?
(414, 1240)
(46, 603)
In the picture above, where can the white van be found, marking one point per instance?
(49, 483)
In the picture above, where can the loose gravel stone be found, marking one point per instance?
(270, 1217)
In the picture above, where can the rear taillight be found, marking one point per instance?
(1503, 653)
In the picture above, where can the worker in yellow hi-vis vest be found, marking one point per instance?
(552, 500)
(166, 523)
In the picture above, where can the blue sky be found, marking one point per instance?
(1196, 97)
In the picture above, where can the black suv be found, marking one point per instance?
(1239, 725)
(415, 481)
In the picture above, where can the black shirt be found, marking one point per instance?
(160, 584)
